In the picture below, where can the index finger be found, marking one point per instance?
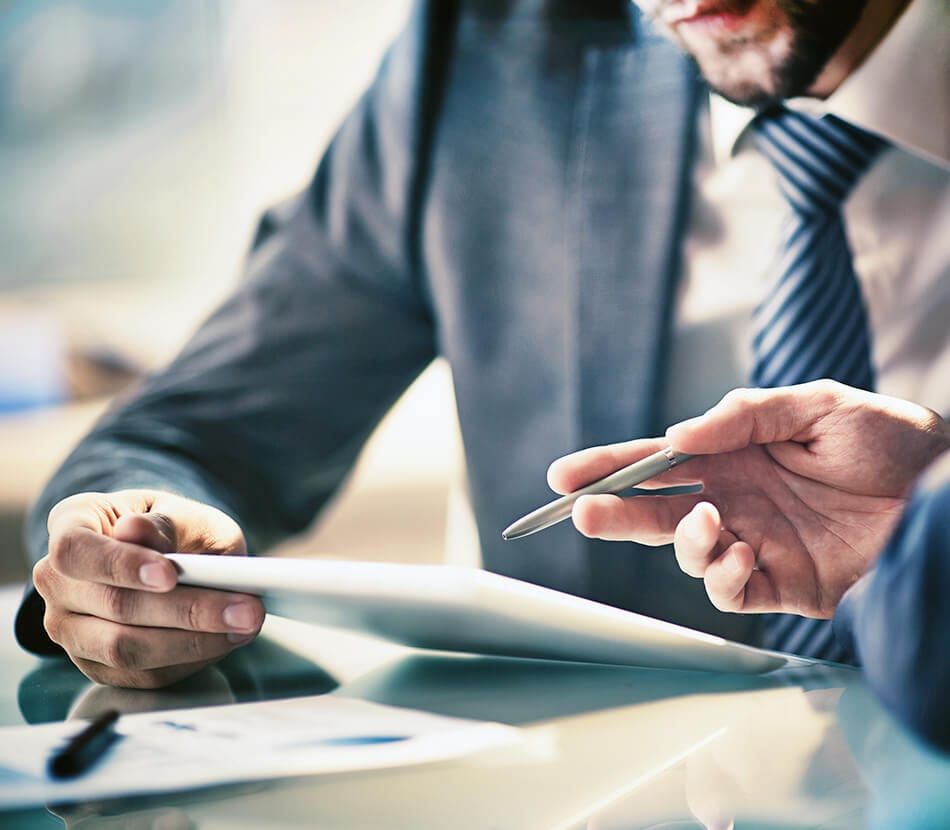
(571, 472)
(82, 553)
(759, 416)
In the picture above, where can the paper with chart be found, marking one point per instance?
(193, 748)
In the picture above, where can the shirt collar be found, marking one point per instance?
(900, 92)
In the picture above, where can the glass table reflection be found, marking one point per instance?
(607, 748)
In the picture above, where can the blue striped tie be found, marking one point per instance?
(812, 322)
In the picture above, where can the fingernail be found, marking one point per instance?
(153, 575)
(240, 639)
(240, 616)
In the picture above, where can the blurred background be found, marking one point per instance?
(139, 142)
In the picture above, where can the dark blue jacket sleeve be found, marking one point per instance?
(897, 617)
(265, 410)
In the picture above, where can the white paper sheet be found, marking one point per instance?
(191, 748)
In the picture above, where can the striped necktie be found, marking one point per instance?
(812, 322)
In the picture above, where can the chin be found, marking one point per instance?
(750, 95)
(753, 81)
(761, 73)
(767, 52)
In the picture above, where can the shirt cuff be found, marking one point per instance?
(848, 612)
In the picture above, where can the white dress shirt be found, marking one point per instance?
(897, 220)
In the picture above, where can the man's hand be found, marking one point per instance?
(802, 486)
(112, 599)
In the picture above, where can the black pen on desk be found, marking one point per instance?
(623, 479)
(86, 748)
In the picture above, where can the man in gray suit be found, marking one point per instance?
(528, 189)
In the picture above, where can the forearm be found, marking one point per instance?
(263, 431)
(265, 410)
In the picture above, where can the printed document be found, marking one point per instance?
(192, 748)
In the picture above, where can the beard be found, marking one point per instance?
(779, 58)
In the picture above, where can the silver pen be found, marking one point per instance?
(623, 479)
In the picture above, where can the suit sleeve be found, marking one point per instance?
(897, 617)
(265, 410)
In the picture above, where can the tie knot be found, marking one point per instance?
(818, 160)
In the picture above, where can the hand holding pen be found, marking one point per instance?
(801, 487)
(615, 482)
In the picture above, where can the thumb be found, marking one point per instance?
(150, 530)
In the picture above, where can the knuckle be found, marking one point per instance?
(740, 401)
(825, 393)
(827, 386)
(53, 623)
(736, 397)
(106, 676)
(113, 563)
(122, 651)
(193, 615)
(96, 672)
(62, 547)
(43, 578)
(118, 603)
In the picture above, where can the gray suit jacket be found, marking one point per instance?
(509, 193)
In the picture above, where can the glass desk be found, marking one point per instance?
(624, 749)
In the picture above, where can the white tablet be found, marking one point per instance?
(470, 610)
